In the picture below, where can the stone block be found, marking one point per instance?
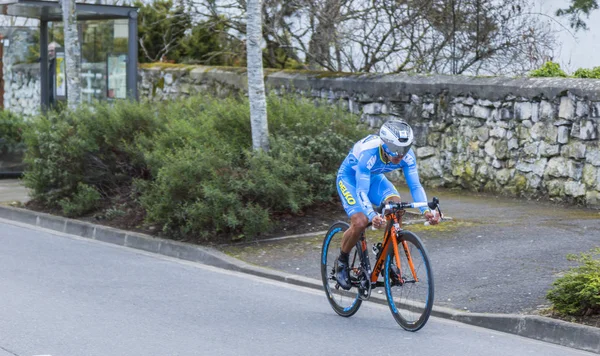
(561, 167)
(575, 130)
(548, 150)
(523, 133)
(556, 188)
(566, 110)
(523, 111)
(575, 149)
(583, 109)
(502, 149)
(574, 189)
(485, 102)
(536, 168)
(563, 134)
(461, 110)
(503, 175)
(588, 130)
(544, 131)
(372, 108)
(482, 112)
(546, 111)
(490, 148)
(593, 156)
(498, 132)
(592, 198)
(595, 109)
(423, 152)
(535, 112)
(591, 176)
(506, 114)
(531, 149)
(483, 134)
(434, 139)
(428, 110)
(430, 168)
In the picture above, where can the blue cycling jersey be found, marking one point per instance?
(366, 159)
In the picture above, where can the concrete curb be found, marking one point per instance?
(535, 327)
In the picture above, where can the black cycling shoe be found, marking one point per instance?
(342, 275)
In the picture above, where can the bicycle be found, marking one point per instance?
(407, 277)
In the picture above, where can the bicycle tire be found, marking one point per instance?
(344, 303)
(405, 303)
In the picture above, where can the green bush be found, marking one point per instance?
(548, 69)
(209, 181)
(593, 73)
(551, 69)
(91, 145)
(578, 292)
(11, 132)
(84, 200)
(189, 164)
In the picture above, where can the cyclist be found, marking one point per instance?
(361, 182)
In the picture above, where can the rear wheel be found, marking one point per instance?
(345, 303)
(409, 294)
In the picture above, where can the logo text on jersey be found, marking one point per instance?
(346, 193)
(371, 162)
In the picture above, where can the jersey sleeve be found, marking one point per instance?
(363, 181)
(411, 174)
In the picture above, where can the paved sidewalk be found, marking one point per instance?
(12, 192)
(497, 255)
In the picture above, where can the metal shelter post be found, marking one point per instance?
(132, 57)
(44, 74)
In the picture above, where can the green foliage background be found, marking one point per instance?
(188, 164)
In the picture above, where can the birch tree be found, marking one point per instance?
(72, 53)
(256, 83)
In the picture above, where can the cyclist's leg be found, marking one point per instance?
(346, 187)
(358, 222)
(381, 189)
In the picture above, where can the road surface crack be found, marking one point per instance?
(7, 350)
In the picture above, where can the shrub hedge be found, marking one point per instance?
(11, 132)
(188, 164)
(577, 293)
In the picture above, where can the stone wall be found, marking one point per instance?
(22, 89)
(533, 137)
(22, 86)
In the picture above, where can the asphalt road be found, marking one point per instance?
(498, 255)
(67, 296)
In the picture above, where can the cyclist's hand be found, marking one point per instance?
(378, 221)
(432, 217)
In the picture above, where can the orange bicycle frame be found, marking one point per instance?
(390, 237)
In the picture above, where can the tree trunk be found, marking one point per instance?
(72, 53)
(256, 83)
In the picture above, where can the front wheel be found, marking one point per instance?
(409, 287)
(345, 303)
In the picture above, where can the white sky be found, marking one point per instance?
(575, 50)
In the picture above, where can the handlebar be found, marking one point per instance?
(392, 206)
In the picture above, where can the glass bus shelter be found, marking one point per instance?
(119, 66)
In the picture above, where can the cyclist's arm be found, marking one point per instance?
(363, 182)
(411, 174)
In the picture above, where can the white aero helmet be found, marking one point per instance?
(397, 137)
